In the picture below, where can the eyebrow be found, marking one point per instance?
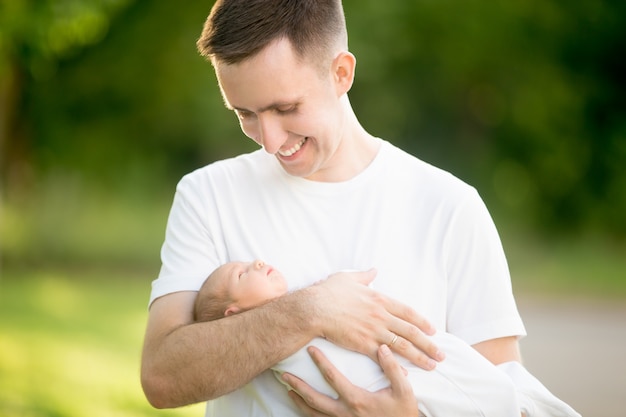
(272, 106)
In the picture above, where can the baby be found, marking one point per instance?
(464, 384)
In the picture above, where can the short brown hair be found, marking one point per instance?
(239, 29)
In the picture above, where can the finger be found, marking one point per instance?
(396, 374)
(335, 379)
(414, 328)
(303, 406)
(419, 349)
(308, 399)
(367, 277)
(409, 316)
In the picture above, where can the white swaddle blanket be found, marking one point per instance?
(465, 384)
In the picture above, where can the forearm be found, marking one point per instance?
(500, 350)
(186, 362)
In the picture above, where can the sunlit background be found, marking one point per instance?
(105, 104)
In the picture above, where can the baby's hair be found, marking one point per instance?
(212, 300)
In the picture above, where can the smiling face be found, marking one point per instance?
(294, 109)
(250, 284)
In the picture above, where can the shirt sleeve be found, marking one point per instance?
(481, 305)
(188, 254)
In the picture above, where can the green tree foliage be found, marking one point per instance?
(522, 99)
(34, 36)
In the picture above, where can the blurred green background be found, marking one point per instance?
(105, 104)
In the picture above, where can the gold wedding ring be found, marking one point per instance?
(393, 340)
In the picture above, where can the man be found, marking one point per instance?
(322, 196)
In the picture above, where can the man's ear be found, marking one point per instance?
(233, 309)
(343, 69)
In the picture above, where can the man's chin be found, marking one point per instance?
(295, 170)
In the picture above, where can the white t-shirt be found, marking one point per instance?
(427, 233)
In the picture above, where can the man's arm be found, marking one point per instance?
(504, 349)
(186, 362)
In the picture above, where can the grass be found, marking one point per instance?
(71, 345)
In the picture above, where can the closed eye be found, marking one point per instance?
(286, 109)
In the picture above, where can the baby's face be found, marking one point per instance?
(253, 283)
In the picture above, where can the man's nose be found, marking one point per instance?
(272, 135)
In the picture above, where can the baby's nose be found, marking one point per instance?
(258, 264)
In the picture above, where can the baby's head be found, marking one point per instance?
(238, 286)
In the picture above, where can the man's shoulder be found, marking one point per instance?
(406, 167)
(233, 167)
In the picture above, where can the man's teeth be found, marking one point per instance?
(292, 150)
